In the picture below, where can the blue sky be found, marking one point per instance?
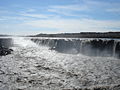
(22, 17)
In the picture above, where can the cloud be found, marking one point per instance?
(67, 10)
(85, 15)
(85, 7)
(75, 7)
(4, 12)
(14, 18)
(36, 15)
(75, 25)
(102, 5)
(31, 10)
(2, 19)
(113, 10)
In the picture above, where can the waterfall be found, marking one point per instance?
(90, 47)
(114, 48)
(24, 42)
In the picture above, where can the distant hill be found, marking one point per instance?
(2, 35)
(82, 35)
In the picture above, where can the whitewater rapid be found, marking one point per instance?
(35, 67)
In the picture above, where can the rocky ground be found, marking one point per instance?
(38, 68)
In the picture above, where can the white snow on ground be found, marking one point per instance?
(32, 67)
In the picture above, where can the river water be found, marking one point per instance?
(40, 65)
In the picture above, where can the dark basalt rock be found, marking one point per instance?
(5, 51)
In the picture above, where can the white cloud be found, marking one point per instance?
(36, 15)
(85, 6)
(75, 25)
(52, 17)
(98, 5)
(75, 7)
(31, 10)
(67, 10)
(113, 10)
(14, 18)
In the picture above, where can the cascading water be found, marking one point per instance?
(24, 42)
(114, 48)
(42, 64)
(90, 47)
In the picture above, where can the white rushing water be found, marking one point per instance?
(33, 67)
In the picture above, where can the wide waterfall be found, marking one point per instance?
(86, 46)
(39, 63)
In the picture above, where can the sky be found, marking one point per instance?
(27, 17)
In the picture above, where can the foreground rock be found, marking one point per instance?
(5, 51)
